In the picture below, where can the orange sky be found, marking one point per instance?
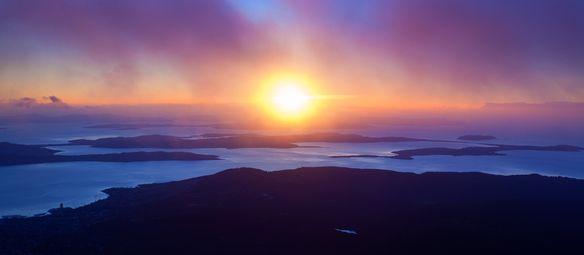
(370, 54)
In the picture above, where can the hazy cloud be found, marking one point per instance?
(447, 50)
(54, 100)
(29, 102)
(535, 46)
(117, 34)
(25, 102)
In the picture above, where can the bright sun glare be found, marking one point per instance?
(290, 99)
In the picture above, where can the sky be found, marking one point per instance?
(370, 53)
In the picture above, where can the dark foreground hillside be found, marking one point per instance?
(318, 211)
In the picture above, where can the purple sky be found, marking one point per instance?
(400, 52)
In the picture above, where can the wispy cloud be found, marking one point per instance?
(417, 50)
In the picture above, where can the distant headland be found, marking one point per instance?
(494, 150)
(476, 137)
(18, 154)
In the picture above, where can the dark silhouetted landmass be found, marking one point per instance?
(480, 151)
(17, 154)
(164, 141)
(360, 156)
(215, 135)
(493, 150)
(11, 149)
(477, 137)
(134, 126)
(322, 210)
(141, 156)
(234, 141)
(468, 151)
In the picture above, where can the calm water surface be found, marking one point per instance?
(31, 189)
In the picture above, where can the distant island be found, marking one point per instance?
(322, 210)
(360, 156)
(476, 137)
(479, 151)
(234, 141)
(135, 126)
(493, 150)
(215, 135)
(17, 154)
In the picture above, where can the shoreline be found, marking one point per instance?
(105, 195)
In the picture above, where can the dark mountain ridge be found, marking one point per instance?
(323, 210)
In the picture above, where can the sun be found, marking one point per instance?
(290, 98)
(287, 97)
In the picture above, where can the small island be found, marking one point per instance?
(480, 151)
(136, 126)
(18, 154)
(476, 137)
(493, 150)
